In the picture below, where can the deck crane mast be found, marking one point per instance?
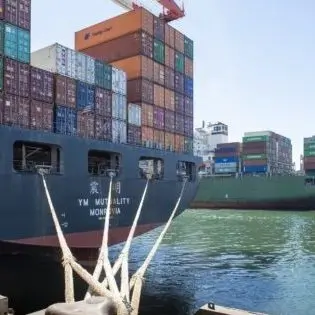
(171, 10)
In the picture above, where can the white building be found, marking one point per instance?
(207, 138)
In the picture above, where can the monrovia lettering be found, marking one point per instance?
(102, 211)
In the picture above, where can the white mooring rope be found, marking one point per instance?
(125, 305)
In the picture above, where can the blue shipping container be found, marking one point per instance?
(255, 169)
(65, 120)
(189, 87)
(85, 95)
(229, 159)
(24, 45)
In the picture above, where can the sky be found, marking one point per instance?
(254, 59)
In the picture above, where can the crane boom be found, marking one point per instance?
(172, 12)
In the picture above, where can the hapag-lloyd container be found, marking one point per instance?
(119, 106)
(189, 106)
(42, 115)
(169, 141)
(16, 110)
(146, 115)
(169, 78)
(86, 124)
(179, 123)
(65, 91)
(103, 102)
(169, 120)
(134, 114)
(65, 120)
(17, 12)
(188, 126)
(133, 134)
(103, 75)
(119, 81)
(179, 103)
(42, 85)
(158, 117)
(16, 78)
(189, 87)
(103, 128)
(119, 131)
(85, 95)
(158, 139)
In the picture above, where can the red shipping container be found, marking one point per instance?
(146, 115)
(179, 103)
(169, 120)
(254, 162)
(189, 67)
(179, 124)
(189, 106)
(18, 12)
(103, 102)
(158, 117)
(169, 35)
(140, 90)
(16, 110)
(86, 124)
(42, 85)
(169, 57)
(42, 115)
(169, 99)
(158, 138)
(103, 128)
(133, 134)
(309, 159)
(158, 95)
(1, 103)
(65, 93)
(188, 126)
(147, 135)
(179, 143)
(255, 151)
(169, 78)
(179, 41)
(16, 78)
(159, 73)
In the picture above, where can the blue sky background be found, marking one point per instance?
(254, 59)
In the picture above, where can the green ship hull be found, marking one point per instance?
(249, 192)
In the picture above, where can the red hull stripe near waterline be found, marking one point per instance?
(91, 239)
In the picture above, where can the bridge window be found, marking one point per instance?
(30, 156)
(186, 169)
(154, 166)
(101, 162)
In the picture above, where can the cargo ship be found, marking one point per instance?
(126, 108)
(258, 174)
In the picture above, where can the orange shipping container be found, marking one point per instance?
(147, 134)
(113, 28)
(179, 143)
(169, 35)
(136, 67)
(159, 73)
(169, 97)
(189, 67)
(146, 115)
(179, 41)
(159, 95)
(130, 45)
(158, 137)
(169, 57)
(169, 141)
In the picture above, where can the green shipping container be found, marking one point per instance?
(158, 51)
(310, 152)
(1, 73)
(255, 139)
(309, 146)
(189, 48)
(179, 62)
(103, 75)
(1, 38)
(255, 157)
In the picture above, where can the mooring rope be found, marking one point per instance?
(122, 298)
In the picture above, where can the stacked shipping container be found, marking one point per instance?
(15, 62)
(309, 155)
(266, 152)
(227, 158)
(158, 61)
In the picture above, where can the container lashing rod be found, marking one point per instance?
(121, 299)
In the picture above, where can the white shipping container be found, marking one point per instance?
(119, 131)
(90, 70)
(134, 114)
(119, 106)
(119, 81)
(80, 67)
(71, 62)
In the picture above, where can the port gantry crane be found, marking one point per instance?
(171, 10)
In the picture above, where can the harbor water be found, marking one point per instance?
(254, 260)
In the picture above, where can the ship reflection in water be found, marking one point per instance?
(253, 260)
